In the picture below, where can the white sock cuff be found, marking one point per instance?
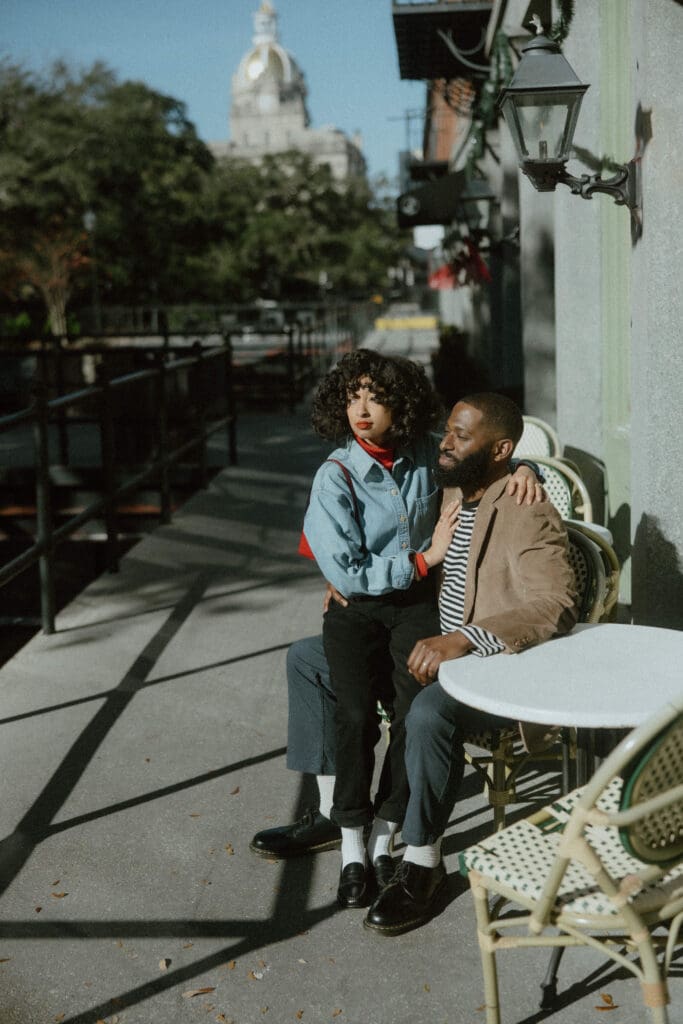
(426, 856)
(326, 790)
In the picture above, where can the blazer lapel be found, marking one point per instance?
(482, 525)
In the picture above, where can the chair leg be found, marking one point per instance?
(499, 796)
(549, 983)
(486, 949)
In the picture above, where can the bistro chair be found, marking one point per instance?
(507, 756)
(598, 537)
(565, 488)
(603, 867)
(538, 438)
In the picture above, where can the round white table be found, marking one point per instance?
(599, 676)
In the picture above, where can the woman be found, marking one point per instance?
(370, 526)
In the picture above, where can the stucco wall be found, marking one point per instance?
(657, 317)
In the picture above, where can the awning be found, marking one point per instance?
(424, 53)
(437, 202)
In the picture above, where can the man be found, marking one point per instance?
(507, 585)
(525, 571)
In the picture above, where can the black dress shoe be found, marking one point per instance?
(384, 868)
(408, 901)
(353, 891)
(311, 834)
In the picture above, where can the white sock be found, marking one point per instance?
(427, 856)
(353, 847)
(326, 789)
(380, 843)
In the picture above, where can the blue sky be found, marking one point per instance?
(189, 49)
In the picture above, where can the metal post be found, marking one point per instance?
(230, 402)
(62, 429)
(108, 449)
(162, 406)
(44, 509)
(291, 370)
(200, 406)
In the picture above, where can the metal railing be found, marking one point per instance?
(103, 395)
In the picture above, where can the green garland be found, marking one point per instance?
(560, 30)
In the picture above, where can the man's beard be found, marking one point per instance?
(469, 474)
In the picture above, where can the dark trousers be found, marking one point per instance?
(367, 646)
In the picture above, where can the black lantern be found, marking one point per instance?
(541, 107)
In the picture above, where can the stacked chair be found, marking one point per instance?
(602, 867)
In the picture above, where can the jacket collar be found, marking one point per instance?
(366, 466)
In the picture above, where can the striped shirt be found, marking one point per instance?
(452, 597)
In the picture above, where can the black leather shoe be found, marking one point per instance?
(408, 901)
(384, 868)
(311, 834)
(353, 891)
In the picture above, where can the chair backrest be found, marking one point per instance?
(589, 573)
(598, 537)
(650, 816)
(655, 837)
(538, 438)
(565, 488)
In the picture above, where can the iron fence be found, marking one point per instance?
(107, 398)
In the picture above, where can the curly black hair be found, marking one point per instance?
(397, 383)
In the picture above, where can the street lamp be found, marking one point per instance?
(541, 107)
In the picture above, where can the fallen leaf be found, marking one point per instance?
(427, 988)
(195, 815)
(119, 943)
(232, 965)
(164, 964)
(192, 992)
(148, 759)
(60, 1016)
(608, 1002)
(235, 791)
(59, 895)
(255, 975)
(56, 883)
(331, 960)
(302, 961)
(336, 1013)
(229, 849)
(299, 1014)
(5, 959)
(264, 1009)
(38, 910)
(208, 1007)
(204, 881)
(262, 963)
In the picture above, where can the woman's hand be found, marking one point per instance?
(443, 534)
(332, 594)
(524, 484)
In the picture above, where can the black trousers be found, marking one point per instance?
(367, 646)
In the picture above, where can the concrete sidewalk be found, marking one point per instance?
(143, 745)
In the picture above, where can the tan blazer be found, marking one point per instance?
(519, 583)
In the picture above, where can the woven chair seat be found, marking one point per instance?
(608, 801)
(521, 856)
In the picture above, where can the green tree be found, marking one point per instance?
(71, 143)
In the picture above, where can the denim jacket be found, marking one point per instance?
(397, 512)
